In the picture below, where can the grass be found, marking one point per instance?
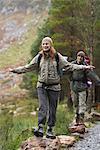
(16, 129)
(64, 117)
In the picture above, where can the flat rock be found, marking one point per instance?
(35, 143)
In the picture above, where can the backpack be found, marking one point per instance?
(60, 72)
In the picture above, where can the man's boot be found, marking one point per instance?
(38, 132)
(77, 119)
(78, 126)
(50, 133)
(81, 119)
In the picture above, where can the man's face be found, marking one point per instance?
(80, 59)
(46, 45)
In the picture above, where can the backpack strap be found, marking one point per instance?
(39, 59)
(57, 60)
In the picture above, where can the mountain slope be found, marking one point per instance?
(19, 21)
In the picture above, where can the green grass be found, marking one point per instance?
(64, 117)
(16, 129)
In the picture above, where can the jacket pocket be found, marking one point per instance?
(79, 86)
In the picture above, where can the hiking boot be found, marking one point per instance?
(38, 132)
(50, 134)
(81, 119)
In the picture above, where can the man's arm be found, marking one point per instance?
(93, 77)
(63, 63)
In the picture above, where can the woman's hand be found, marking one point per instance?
(12, 70)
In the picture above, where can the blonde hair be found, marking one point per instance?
(52, 50)
(48, 39)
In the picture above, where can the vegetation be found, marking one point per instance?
(72, 25)
(63, 121)
(17, 127)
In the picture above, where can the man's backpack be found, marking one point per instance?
(57, 60)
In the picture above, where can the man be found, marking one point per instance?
(79, 87)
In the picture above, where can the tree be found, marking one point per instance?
(72, 25)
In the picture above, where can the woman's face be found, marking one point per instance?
(46, 45)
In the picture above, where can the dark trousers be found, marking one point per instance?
(47, 106)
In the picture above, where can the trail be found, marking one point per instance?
(91, 140)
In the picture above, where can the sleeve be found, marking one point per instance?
(63, 63)
(93, 76)
(28, 67)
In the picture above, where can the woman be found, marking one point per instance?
(48, 85)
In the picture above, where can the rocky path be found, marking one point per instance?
(91, 140)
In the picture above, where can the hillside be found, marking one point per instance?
(19, 21)
(16, 18)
